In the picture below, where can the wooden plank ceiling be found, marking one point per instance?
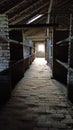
(21, 11)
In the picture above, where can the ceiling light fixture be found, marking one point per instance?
(34, 18)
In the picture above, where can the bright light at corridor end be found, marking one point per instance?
(34, 18)
(41, 48)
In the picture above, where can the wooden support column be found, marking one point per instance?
(46, 54)
(70, 62)
(47, 33)
(70, 76)
(54, 52)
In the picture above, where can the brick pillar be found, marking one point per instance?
(4, 43)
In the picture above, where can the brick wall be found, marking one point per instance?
(4, 44)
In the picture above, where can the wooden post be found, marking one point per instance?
(70, 64)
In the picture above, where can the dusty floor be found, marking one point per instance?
(37, 103)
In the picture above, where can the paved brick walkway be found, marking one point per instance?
(37, 103)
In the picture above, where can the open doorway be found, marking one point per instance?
(40, 50)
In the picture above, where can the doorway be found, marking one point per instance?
(40, 50)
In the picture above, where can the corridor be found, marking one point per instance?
(37, 102)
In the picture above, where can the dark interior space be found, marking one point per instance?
(36, 65)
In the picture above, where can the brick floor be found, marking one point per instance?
(37, 103)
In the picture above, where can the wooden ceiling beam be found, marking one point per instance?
(37, 37)
(22, 26)
(22, 16)
(7, 5)
(15, 7)
(2, 2)
(43, 11)
(24, 11)
(34, 31)
(62, 3)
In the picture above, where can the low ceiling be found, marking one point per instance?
(21, 11)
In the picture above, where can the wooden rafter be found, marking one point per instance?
(6, 5)
(15, 7)
(43, 11)
(23, 16)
